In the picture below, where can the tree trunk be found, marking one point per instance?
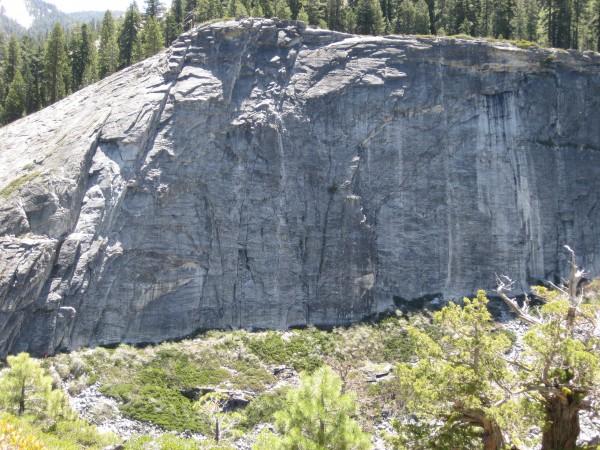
(562, 419)
(492, 436)
(217, 431)
(22, 399)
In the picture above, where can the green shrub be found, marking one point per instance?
(164, 407)
(397, 347)
(250, 377)
(303, 350)
(270, 348)
(262, 409)
(124, 392)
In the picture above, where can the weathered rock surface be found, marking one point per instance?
(260, 174)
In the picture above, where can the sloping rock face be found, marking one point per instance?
(260, 174)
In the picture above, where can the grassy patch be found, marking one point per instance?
(525, 44)
(16, 184)
(170, 442)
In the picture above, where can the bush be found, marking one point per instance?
(164, 407)
(263, 408)
(304, 349)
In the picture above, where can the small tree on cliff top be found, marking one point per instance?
(560, 369)
(461, 388)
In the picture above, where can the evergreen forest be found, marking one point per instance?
(38, 70)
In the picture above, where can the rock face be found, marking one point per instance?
(261, 174)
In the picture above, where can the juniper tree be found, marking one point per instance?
(459, 387)
(560, 369)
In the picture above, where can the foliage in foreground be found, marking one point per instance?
(460, 380)
(317, 416)
(560, 368)
(25, 387)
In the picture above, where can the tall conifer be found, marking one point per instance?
(108, 53)
(55, 66)
(129, 35)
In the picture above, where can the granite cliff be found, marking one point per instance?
(261, 174)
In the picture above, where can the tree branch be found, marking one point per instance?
(505, 284)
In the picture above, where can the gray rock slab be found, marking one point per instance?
(261, 174)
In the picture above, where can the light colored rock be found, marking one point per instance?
(263, 175)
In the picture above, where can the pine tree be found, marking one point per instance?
(318, 416)
(178, 12)
(2, 50)
(153, 40)
(404, 17)
(504, 11)
(578, 10)
(556, 22)
(128, 36)
(295, 6)
(485, 18)
(302, 15)
(236, 9)
(13, 59)
(313, 11)
(55, 66)
(266, 7)
(190, 14)
(281, 9)
(25, 387)
(108, 53)
(153, 9)
(216, 9)
(83, 58)
(335, 15)
(33, 67)
(421, 21)
(14, 106)
(444, 23)
(594, 22)
(465, 17)
(138, 49)
(172, 29)
(369, 18)
(211, 408)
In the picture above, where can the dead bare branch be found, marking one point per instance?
(504, 285)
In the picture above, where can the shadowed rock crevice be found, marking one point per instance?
(262, 174)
